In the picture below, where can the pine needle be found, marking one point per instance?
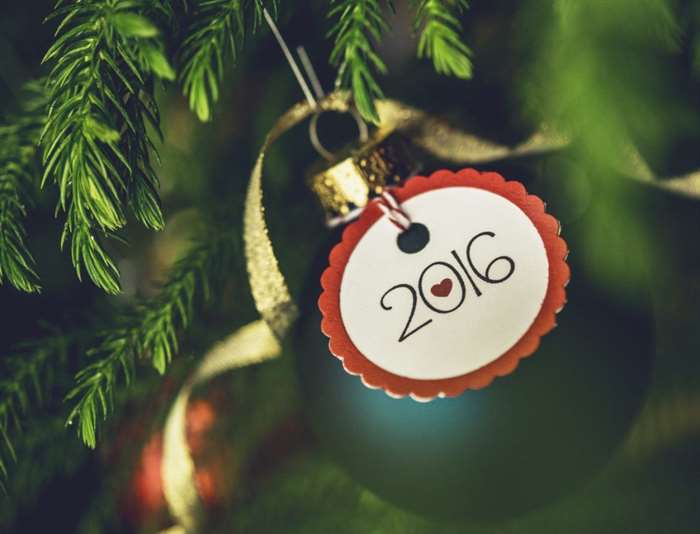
(440, 36)
(23, 372)
(147, 331)
(96, 140)
(359, 27)
(214, 36)
(18, 170)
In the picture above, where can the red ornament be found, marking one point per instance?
(144, 504)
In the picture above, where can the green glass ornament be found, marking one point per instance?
(526, 439)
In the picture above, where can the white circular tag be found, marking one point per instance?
(422, 320)
(431, 315)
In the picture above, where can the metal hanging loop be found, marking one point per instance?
(363, 134)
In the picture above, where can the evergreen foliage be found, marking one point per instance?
(18, 170)
(580, 52)
(148, 330)
(440, 40)
(96, 141)
(359, 27)
(216, 34)
(24, 380)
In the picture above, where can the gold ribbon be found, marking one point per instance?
(442, 140)
(260, 340)
(251, 344)
(270, 292)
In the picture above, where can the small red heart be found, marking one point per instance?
(442, 289)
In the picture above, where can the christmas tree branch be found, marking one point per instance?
(359, 26)
(440, 36)
(96, 141)
(18, 148)
(147, 331)
(216, 33)
(24, 370)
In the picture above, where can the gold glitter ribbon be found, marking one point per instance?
(270, 292)
(251, 344)
(260, 340)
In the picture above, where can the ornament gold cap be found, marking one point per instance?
(352, 181)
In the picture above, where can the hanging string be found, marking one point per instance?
(310, 72)
(290, 59)
(392, 209)
(318, 89)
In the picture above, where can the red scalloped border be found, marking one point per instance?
(374, 376)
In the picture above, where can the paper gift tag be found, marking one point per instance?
(454, 300)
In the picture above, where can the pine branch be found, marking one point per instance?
(18, 150)
(97, 144)
(148, 331)
(216, 34)
(440, 36)
(360, 25)
(24, 372)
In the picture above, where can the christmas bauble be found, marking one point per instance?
(143, 501)
(523, 440)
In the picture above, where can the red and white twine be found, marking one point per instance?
(392, 209)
